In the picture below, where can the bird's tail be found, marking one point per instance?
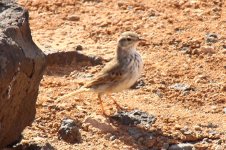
(81, 90)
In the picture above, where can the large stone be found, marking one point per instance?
(69, 131)
(22, 65)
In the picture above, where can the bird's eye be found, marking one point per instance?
(129, 39)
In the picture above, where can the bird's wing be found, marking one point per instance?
(112, 72)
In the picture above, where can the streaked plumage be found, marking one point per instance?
(120, 73)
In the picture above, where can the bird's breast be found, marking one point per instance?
(132, 69)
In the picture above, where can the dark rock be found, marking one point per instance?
(211, 125)
(70, 58)
(69, 131)
(34, 146)
(134, 117)
(224, 46)
(182, 146)
(212, 38)
(18, 140)
(22, 65)
(138, 84)
(79, 47)
(185, 48)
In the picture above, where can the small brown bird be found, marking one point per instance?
(120, 73)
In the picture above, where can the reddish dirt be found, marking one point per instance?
(175, 52)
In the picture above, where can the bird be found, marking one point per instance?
(119, 74)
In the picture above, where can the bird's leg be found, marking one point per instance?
(101, 105)
(115, 102)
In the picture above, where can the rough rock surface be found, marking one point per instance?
(70, 58)
(21, 68)
(134, 117)
(33, 146)
(69, 131)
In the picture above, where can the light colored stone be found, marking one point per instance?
(182, 146)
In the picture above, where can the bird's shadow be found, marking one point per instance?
(133, 134)
(141, 138)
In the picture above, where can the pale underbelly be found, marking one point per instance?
(123, 86)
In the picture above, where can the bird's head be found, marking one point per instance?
(128, 40)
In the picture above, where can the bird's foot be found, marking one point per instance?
(121, 108)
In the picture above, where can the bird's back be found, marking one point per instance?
(117, 75)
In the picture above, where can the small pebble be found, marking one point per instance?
(212, 38)
(112, 138)
(197, 128)
(79, 47)
(205, 140)
(181, 87)
(219, 141)
(213, 132)
(224, 46)
(223, 88)
(182, 146)
(184, 129)
(139, 84)
(211, 125)
(177, 127)
(224, 110)
(73, 18)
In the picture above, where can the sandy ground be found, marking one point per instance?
(186, 44)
